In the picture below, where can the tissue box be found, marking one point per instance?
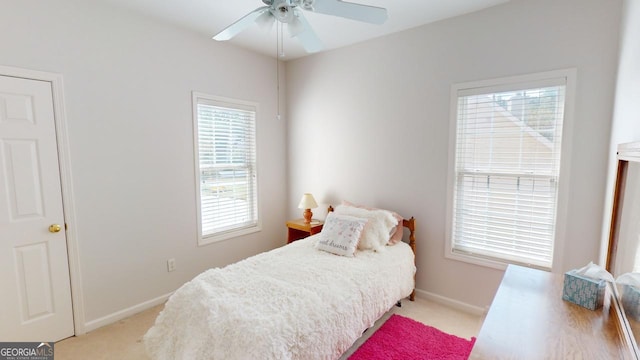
(631, 302)
(586, 292)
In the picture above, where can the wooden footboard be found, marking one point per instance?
(411, 225)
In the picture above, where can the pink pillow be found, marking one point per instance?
(396, 233)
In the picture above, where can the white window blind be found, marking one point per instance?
(507, 166)
(226, 167)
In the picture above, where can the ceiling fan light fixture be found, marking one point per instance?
(283, 11)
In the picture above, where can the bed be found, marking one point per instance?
(294, 302)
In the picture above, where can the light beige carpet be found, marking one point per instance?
(123, 340)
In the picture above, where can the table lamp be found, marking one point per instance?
(307, 203)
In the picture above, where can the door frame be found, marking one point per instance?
(60, 120)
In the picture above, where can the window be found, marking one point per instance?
(506, 169)
(225, 141)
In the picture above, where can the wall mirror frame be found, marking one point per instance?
(623, 254)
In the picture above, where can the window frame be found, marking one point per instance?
(505, 84)
(197, 97)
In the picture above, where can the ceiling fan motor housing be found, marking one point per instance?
(283, 10)
(306, 4)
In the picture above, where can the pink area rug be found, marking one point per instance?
(404, 338)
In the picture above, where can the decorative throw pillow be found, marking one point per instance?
(379, 224)
(396, 232)
(340, 234)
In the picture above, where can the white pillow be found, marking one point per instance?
(396, 233)
(379, 224)
(340, 234)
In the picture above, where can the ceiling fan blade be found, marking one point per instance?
(266, 20)
(366, 13)
(241, 24)
(299, 27)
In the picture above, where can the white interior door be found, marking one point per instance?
(35, 300)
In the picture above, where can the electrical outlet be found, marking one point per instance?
(171, 265)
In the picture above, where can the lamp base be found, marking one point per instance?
(307, 216)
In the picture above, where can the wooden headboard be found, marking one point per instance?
(411, 225)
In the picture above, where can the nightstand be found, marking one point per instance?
(298, 229)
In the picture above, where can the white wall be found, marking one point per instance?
(128, 82)
(626, 117)
(370, 123)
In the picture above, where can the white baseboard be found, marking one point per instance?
(455, 304)
(119, 315)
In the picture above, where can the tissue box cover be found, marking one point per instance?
(586, 292)
(631, 302)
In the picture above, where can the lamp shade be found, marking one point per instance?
(307, 202)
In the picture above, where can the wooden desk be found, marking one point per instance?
(529, 320)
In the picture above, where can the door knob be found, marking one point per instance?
(55, 228)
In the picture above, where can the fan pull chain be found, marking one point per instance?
(281, 38)
(278, 39)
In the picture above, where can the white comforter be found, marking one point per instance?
(294, 302)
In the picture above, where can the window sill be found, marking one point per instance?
(211, 239)
(489, 262)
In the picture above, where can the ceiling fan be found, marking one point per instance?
(288, 12)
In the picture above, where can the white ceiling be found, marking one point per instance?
(208, 17)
